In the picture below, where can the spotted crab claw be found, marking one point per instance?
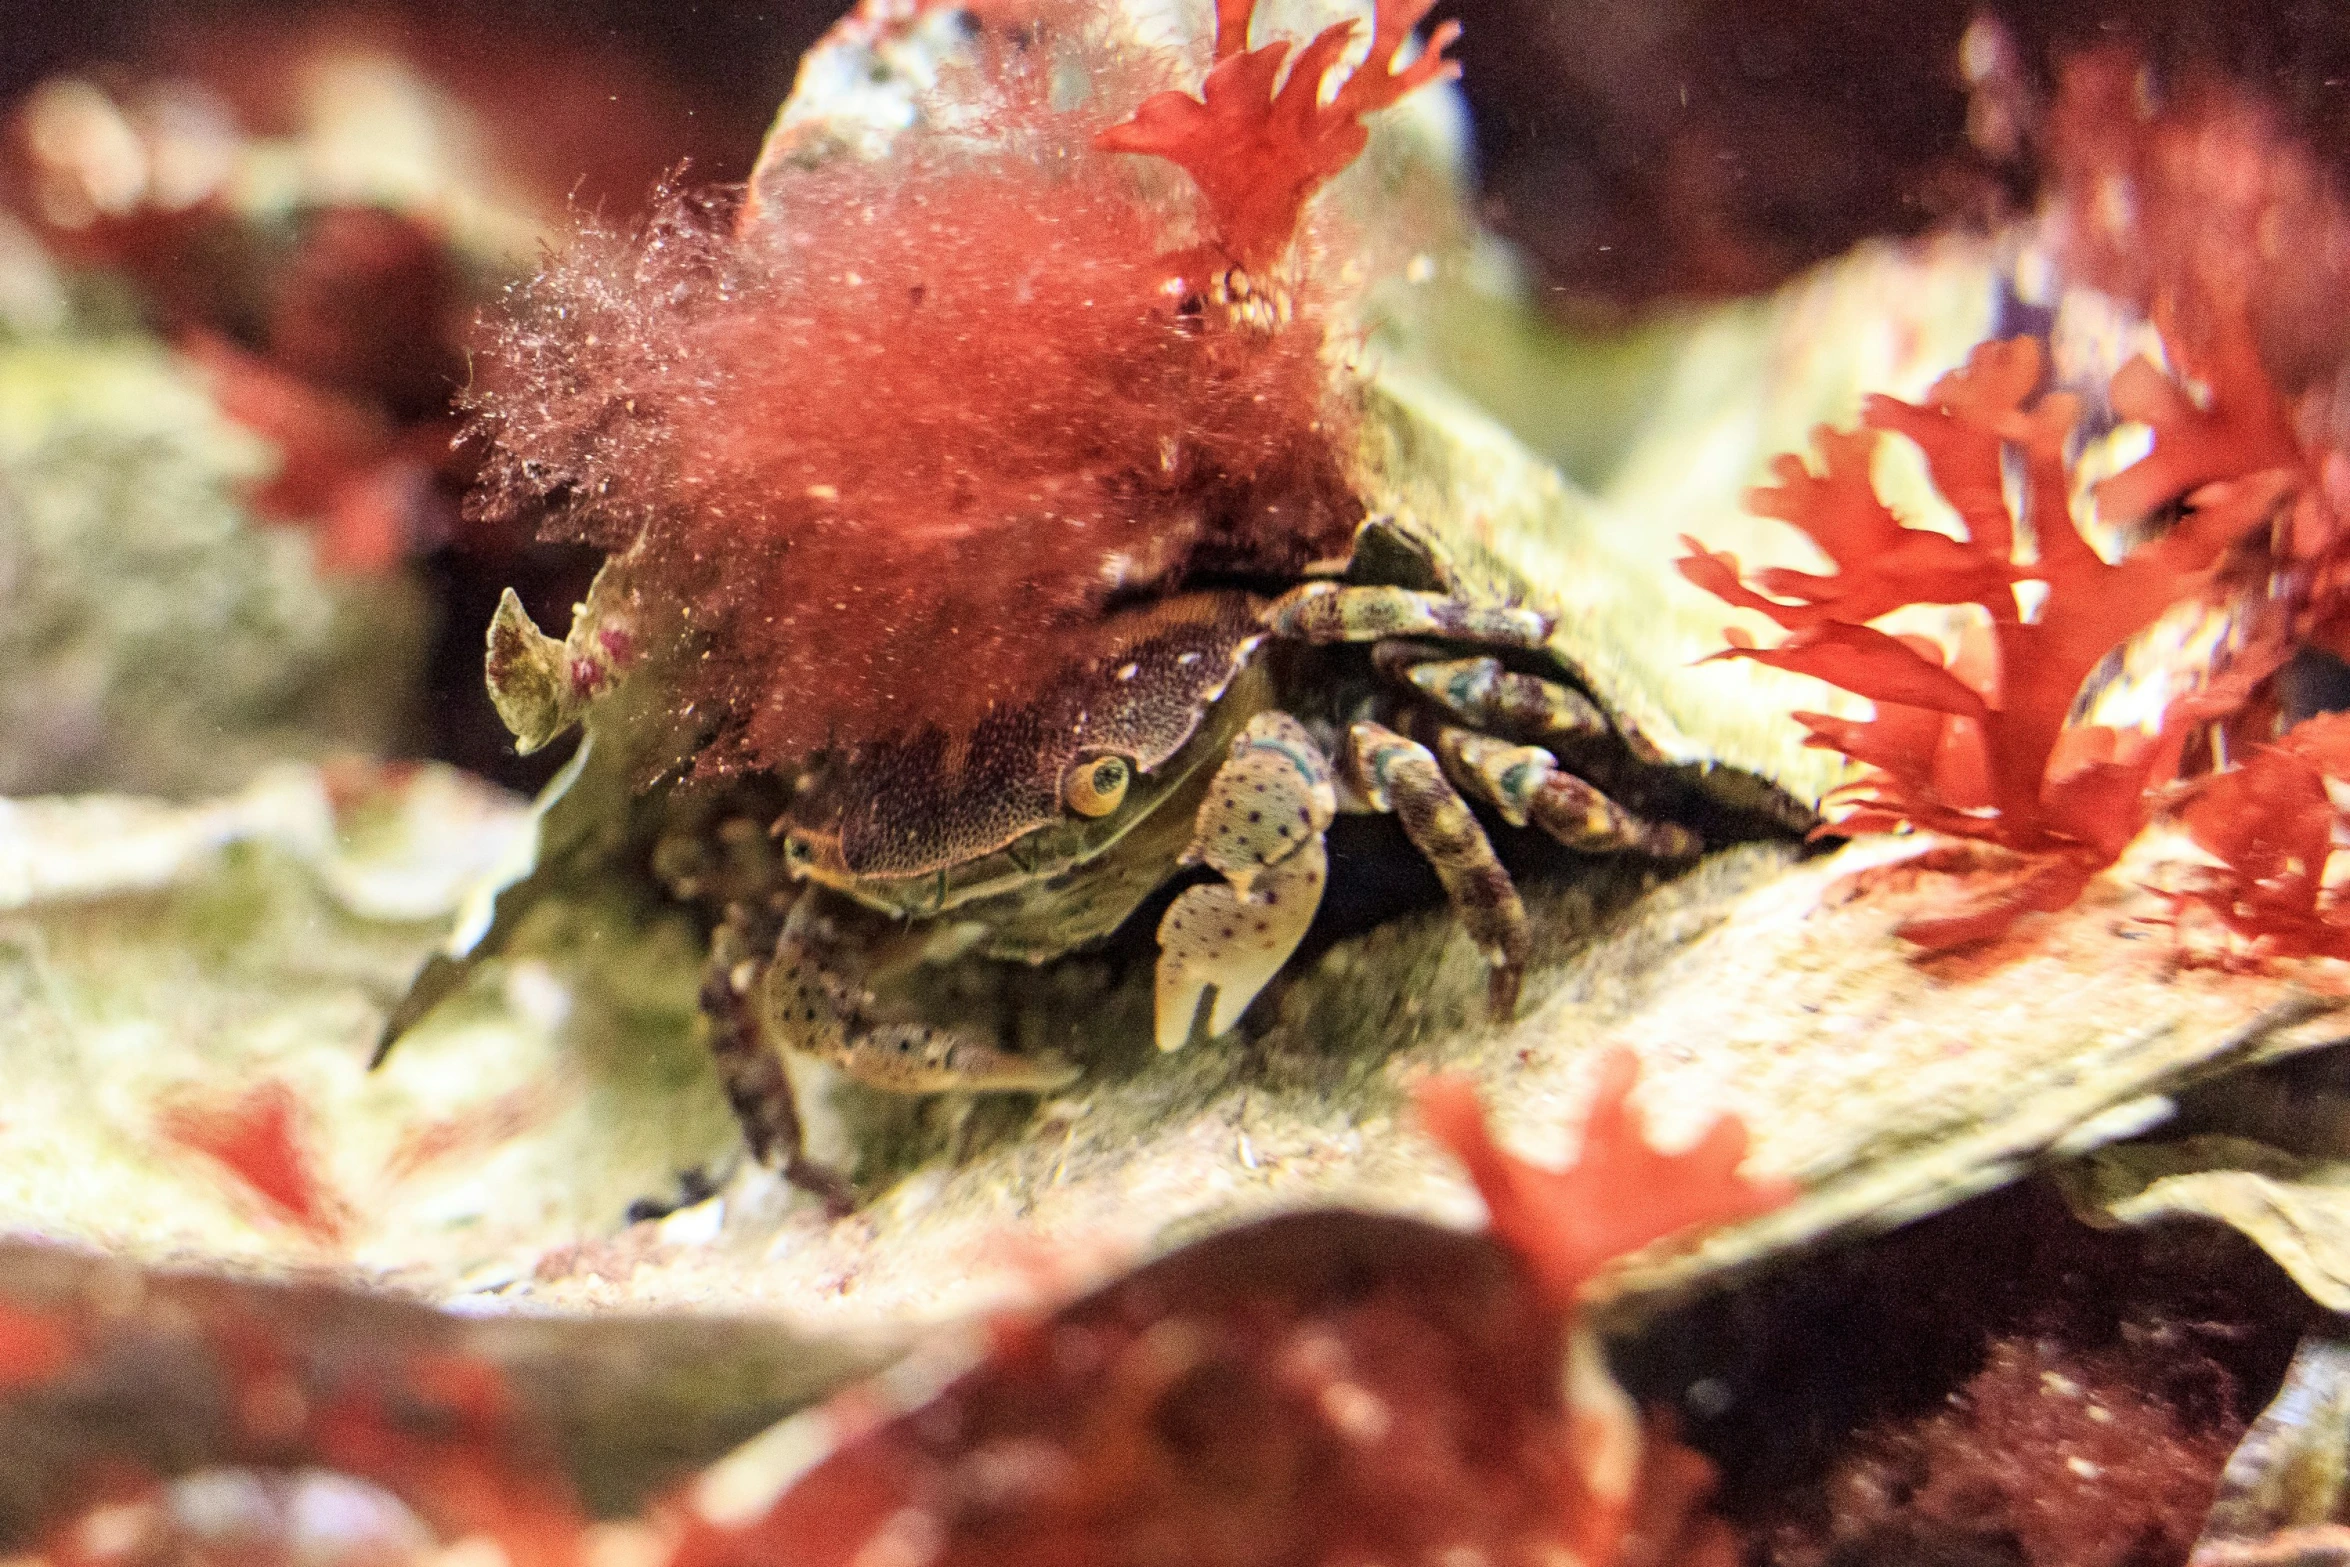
(1260, 829)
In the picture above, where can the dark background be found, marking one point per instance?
(1638, 149)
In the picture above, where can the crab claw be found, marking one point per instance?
(1261, 829)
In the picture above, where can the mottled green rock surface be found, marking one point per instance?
(157, 638)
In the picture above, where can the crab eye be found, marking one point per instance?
(1096, 785)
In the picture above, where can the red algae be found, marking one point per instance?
(2177, 197)
(2170, 193)
(442, 1432)
(922, 417)
(1982, 744)
(2270, 823)
(34, 1347)
(257, 1139)
(2051, 1455)
(1257, 151)
(1618, 1195)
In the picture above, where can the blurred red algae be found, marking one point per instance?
(918, 417)
(2050, 1455)
(2270, 823)
(1619, 1194)
(258, 1139)
(1325, 1387)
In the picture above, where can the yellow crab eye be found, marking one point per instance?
(1096, 785)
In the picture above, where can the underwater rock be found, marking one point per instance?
(109, 1371)
(158, 639)
(1757, 983)
(187, 998)
(189, 995)
(2266, 1151)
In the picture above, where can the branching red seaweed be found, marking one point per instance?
(1984, 746)
(1619, 1194)
(1258, 143)
(2270, 823)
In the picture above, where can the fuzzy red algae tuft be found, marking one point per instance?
(2049, 1456)
(922, 418)
(257, 1139)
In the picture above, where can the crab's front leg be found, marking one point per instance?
(749, 1067)
(1403, 776)
(1260, 828)
(766, 991)
(807, 1003)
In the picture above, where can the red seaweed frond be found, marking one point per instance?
(2194, 202)
(2271, 823)
(1258, 143)
(259, 1139)
(2197, 206)
(1981, 745)
(917, 417)
(1619, 1194)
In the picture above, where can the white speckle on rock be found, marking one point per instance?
(698, 1225)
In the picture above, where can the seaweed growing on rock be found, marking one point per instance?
(933, 413)
(1986, 745)
(2270, 824)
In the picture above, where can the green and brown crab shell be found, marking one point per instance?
(1108, 764)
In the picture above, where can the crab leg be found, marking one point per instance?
(752, 1072)
(808, 1007)
(1400, 775)
(1260, 828)
(1327, 612)
(1525, 784)
(1487, 697)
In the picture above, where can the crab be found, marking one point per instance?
(1194, 728)
(1210, 738)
